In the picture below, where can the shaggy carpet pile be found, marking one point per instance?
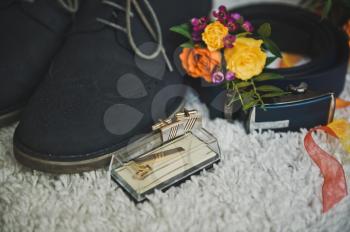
(265, 182)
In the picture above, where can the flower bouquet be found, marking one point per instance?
(230, 52)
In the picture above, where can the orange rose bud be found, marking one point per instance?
(200, 62)
(347, 29)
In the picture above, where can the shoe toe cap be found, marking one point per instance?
(78, 122)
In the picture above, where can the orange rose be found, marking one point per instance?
(347, 29)
(200, 62)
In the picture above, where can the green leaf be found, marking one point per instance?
(250, 104)
(269, 88)
(248, 96)
(268, 77)
(270, 60)
(188, 44)
(327, 8)
(240, 21)
(272, 47)
(243, 34)
(276, 94)
(265, 30)
(243, 84)
(183, 29)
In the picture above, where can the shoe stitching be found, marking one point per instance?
(157, 34)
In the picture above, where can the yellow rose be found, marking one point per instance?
(214, 35)
(245, 59)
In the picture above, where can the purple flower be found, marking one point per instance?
(229, 40)
(231, 25)
(235, 16)
(195, 21)
(196, 37)
(222, 8)
(221, 14)
(199, 24)
(230, 76)
(217, 77)
(247, 26)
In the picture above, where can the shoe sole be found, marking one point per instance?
(69, 167)
(61, 167)
(9, 118)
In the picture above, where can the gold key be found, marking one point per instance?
(142, 166)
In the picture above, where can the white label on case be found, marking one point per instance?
(253, 125)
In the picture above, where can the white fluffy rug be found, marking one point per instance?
(265, 182)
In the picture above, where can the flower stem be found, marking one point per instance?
(239, 94)
(257, 94)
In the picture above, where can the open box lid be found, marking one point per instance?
(162, 132)
(183, 135)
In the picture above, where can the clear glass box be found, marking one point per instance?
(151, 163)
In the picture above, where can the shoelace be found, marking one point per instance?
(71, 6)
(156, 34)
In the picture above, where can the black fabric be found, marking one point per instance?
(294, 30)
(66, 117)
(31, 33)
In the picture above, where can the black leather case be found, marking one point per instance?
(293, 112)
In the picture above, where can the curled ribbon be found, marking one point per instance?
(334, 187)
(341, 103)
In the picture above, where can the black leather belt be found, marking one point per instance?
(297, 31)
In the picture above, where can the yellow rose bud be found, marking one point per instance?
(245, 59)
(214, 35)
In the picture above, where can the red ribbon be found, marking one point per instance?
(334, 185)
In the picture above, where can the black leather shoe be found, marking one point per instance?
(107, 85)
(31, 33)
